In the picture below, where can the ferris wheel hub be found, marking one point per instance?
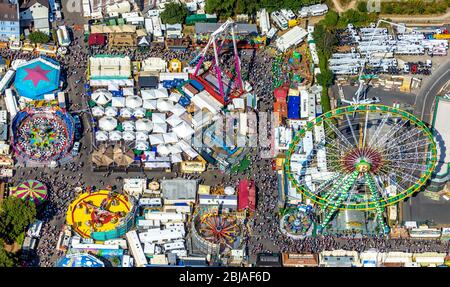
(363, 166)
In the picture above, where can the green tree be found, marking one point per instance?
(174, 13)
(331, 19)
(362, 6)
(38, 37)
(7, 259)
(325, 78)
(15, 215)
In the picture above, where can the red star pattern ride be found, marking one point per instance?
(36, 75)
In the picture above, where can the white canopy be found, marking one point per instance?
(174, 97)
(178, 110)
(101, 136)
(128, 136)
(133, 102)
(159, 128)
(158, 118)
(154, 94)
(107, 123)
(141, 145)
(174, 148)
(139, 112)
(149, 104)
(118, 102)
(128, 91)
(170, 138)
(126, 113)
(175, 158)
(183, 130)
(174, 120)
(163, 150)
(98, 111)
(156, 139)
(111, 112)
(144, 125)
(128, 126)
(229, 190)
(115, 136)
(141, 136)
(164, 105)
(101, 96)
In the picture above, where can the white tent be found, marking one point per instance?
(101, 136)
(101, 96)
(158, 118)
(115, 136)
(183, 130)
(163, 150)
(98, 111)
(159, 128)
(147, 94)
(174, 120)
(139, 112)
(128, 126)
(149, 104)
(229, 190)
(141, 136)
(118, 102)
(111, 112)
(107, 123)
(141, 145)
(175, 158)
(128, 136)
(164, 105)
(144, 125)
(174, 97)
(178, 110)
(126, 113)
(128, 91)
(133, 102)
(156, 139)
(170, 138)
(174, 148)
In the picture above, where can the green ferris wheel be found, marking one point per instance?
(361, 157)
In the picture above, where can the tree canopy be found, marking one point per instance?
(174, 13)
(230, 8)
(38, 37)
(15, 215)
(7, 259)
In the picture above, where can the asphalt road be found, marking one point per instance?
(386, 97)
(425, 99)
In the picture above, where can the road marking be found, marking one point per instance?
(429, 90)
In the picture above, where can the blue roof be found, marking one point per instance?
(36, 78)
(80, 260)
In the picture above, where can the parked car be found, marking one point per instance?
(76, 148)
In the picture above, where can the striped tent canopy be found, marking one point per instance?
(31, 190)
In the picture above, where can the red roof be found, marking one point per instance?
(281, 93)
(96, 39)
(246, 195)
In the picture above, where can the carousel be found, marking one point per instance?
(97, 212)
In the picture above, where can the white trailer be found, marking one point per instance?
(136, 248)
(264, 21)
(6, 80)
(279, 20)
(157, 30)
(11, 103)
(148, 24)
(288, 14)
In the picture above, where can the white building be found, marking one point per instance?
(35, 13)
(291, 38)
